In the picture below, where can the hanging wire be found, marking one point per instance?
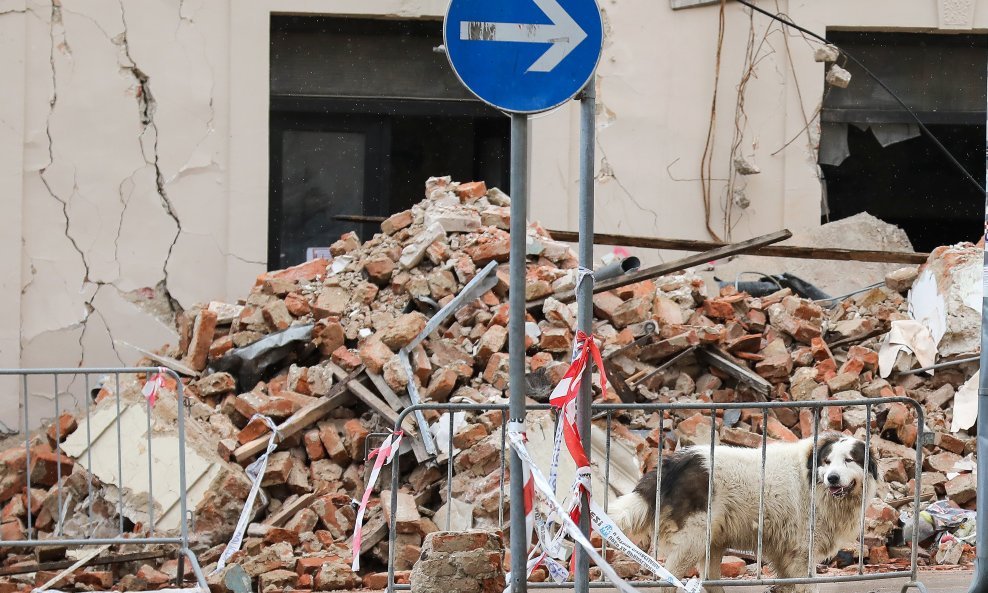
(785, 21)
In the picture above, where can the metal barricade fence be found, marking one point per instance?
(607, 412)
(59, 380)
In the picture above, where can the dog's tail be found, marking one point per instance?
(632, 514)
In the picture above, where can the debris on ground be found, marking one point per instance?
(320, 349)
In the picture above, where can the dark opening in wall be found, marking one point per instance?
(873, 155)
(362, 112)
(912, 185)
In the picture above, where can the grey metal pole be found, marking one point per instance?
(979, 583)
(584, 299)
(516, 342)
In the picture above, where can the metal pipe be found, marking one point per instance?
(940, 365)
(584, 309)
(979, 582)
(615, 268)
(516, 344)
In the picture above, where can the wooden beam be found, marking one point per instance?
(305, 417)
(373, 401)
(723, 361)
(60, 564)
(865, 255)
(669, 268)
(288, 511)
(831, 253)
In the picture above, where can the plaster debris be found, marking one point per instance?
(314, 347)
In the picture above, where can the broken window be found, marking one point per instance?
(874, 156)
(362, 111)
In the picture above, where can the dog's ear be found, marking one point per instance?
(823, 445)
(858, 455)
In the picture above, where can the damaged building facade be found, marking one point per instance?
(158, 155)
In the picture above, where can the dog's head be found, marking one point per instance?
(840, 465)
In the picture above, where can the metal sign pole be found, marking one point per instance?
(979, 584)
(585, 305)
(516, 343)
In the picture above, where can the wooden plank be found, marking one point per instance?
(60, 564)
(386, 392)
(300, 420)
(375, 530)
(669, 268)
(373, 401)
(831, 253)
(723, 361)
(795, 252)
(399, 403)
(288, 511)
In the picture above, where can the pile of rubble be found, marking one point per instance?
(332, 351)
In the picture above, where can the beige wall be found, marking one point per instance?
(119, 203)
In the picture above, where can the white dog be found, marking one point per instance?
(841, 481)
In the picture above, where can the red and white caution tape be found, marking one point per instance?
(153, 386)
(382, 456)
(564, 398)
(605, 527)
(255, 472)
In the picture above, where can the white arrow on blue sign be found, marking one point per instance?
(523, 56)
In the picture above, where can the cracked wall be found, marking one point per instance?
(124, 177)
(134, 151)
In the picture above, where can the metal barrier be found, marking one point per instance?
(52, 377)
(607, 411)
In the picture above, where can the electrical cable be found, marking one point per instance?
(891, 93)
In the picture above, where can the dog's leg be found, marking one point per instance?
(686, 547)
(716, 557)
(791, 566)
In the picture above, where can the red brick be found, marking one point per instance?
(333, 443)
(307, 271)
(469, 435)
(867, 356)
(732, 566)
(491, 245)
(345, 358)
(254, 429)
(403, 330)
(202, 338)
(878, 555)
(152, 576)
(297, 305)
(276, 315)
(740, 437)
(313, 445)
(441, 385)
(220, 346)
(328, 335)
(101, 580)
(471, 190)
(777, 430)
(355, 434)
(65, 425)
(45, 467)
(396, 222)
(375, 354)
(718, 309)
(379, 269)
(12, 530)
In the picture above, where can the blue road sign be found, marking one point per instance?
(523, 56)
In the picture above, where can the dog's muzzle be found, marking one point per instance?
(840, 491)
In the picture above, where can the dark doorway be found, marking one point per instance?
(362, 112)
(874, 157)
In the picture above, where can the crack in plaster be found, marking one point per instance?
(146, 108)
(607, 174)
(56, 19)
